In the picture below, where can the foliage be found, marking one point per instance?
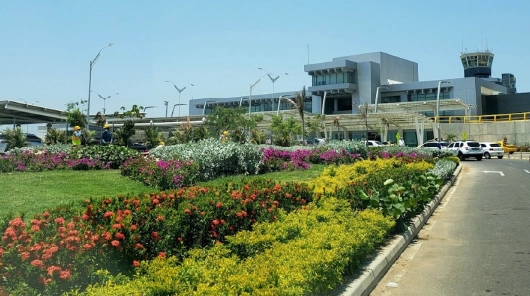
(125, 132)
(444, 168)
(284, 130)
(227, 119)
(153, 137)
(214, 158)
(55, 136)
(114, 156)
(27, 161)
(337, 239)
(74, 116)
(14, 137)
(161, 174)
(299, 103)
(450, 137)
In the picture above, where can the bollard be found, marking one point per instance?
(508, 155)
(521, 154)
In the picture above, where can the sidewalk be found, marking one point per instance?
(517, 155)
(373, 273)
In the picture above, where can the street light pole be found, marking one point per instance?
(92, 63)
(166, 103)
(250, 97)
(180, 90)
(272, 80)
(172, 111)
(438, 108)
(105, 100)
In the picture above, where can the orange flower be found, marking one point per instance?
(64, 274)
(37, 263)
(162, 255)
(160, 218)
(115, 243)
(187, 212)
(136, 263)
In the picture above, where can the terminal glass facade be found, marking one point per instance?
(334, 78)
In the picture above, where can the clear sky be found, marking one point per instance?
(46, 46)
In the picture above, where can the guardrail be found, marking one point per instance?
(483, 118)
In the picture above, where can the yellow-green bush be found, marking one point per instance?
(307, 252)
(337, 176)
(454, 159)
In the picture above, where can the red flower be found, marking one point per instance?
(202, 213)
(108, 214)
(154, 236)
(37, 263)
(160, 218)
(187, 212)
(215, 222)
(139, 246)
(24, 255)
(136, 263)
(115, 243)
(119, 236)
(162, 255)
(219, 205)
(59, 220)
(195, 208)
(156, 201)
(85, 217)
(64, 274)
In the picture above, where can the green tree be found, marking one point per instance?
(125, 132)
(74, 116)
(153, 136)
(234, 121)
(284, 130)
(15, 138)
(298, 104)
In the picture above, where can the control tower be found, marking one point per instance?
(477, 64)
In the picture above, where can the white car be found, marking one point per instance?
(490, 149)
(434, 145)
(371, 143)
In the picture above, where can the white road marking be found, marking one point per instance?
(499, 172)
(414, 249)
(527, 171)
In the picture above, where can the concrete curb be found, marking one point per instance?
(374, 272)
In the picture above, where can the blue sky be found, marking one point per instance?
(46, 46)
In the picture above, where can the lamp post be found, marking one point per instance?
(166, 103)
(92, 63)
(438, 108)
(178, 104)
(145, 109)
(272, 80)
(206, 103)
(104, 100)
(378, 95)
(250, 97)
(180, 90)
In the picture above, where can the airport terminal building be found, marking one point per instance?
(388, 89)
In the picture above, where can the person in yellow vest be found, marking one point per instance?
(223, 137)
(76, 137)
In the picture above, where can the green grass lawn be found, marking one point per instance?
(32, 193)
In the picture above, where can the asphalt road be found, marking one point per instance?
(478, 240)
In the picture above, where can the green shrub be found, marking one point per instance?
(114, 155)
(337, 239)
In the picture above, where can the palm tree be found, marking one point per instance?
(298, 104)
(15, 138)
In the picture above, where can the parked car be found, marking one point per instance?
(490, 149)
(465, 149)
(372, 143)
(434, 145)
(508, 148)
(316, 141)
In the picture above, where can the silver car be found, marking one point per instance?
(490, 149)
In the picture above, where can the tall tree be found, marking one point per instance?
(298, 104)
